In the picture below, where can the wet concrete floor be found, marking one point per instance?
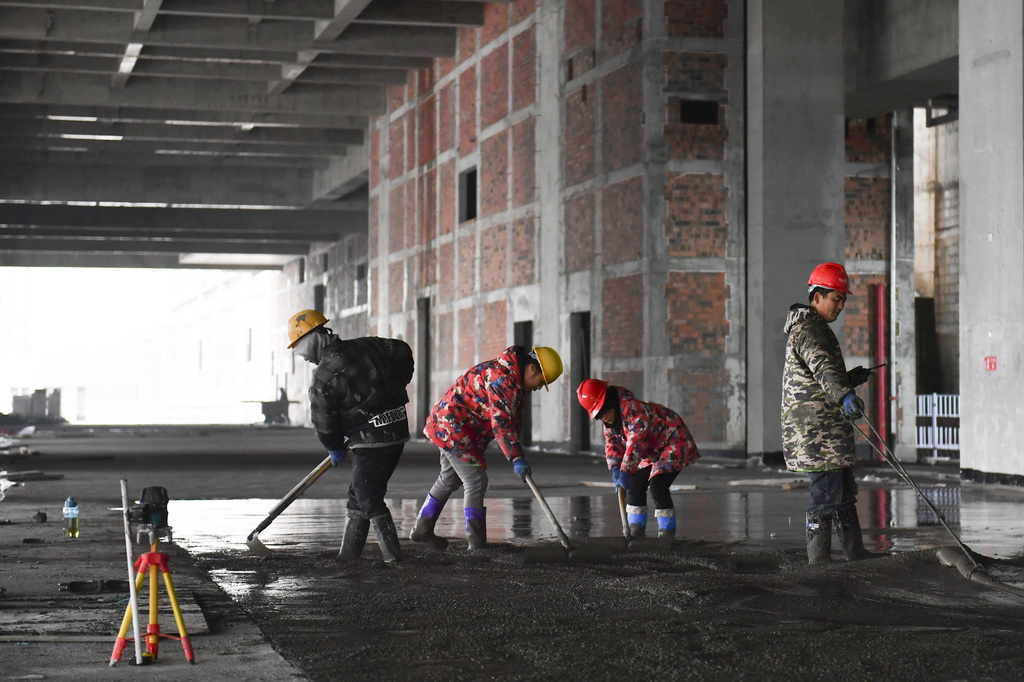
(732, 598)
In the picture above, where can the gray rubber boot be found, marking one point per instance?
(819, 539)
(425, 522)
(387, 537)
(848, 529)
(476, 527)
(354, 537)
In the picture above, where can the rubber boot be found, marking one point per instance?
(666, 523)
(819, 539)
(848, 529)
(354, 537)
(637, 517)
(476, 527)
(387, 537)
(425, 522)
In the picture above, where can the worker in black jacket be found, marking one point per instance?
(357, 405)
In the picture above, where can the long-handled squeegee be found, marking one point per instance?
(253, 541)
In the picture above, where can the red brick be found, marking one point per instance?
(580, 136)
(396, 287)
(493, 262)
(697, 321)
(466, 281)
(867, 218)
(495, 22)
(524, 69)
(446, 272)
(467, 111)
(622, 25)
(860, 316)
(396, 150)
(374, 157)
(524, 153)
(494, 86)
(446, 118)
(468, 38)
(465, 327)
(426, 267)
(524, 251)
(447, 189)
(580, 223)
(428, 207)
(704, 406)
(373, 217)
(396, 221)
(622, 220)
(580, 24)
(622, 116)
(696, 225)
(493, 175)
(522, 9)
(622, 306)
(869, 140)
(426, 148)
(396, 97)
(443, 347)
(701, 19)
(631, 380)
(494, 334)
(411, 217)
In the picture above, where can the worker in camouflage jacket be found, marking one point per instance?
(646, 445)
(484, 404)
(357, 405)
(818, 407)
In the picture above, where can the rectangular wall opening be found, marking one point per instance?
(424, 399)
(522, 333)
(579, 369)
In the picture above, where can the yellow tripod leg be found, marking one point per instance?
(122, 634)
(186, 645)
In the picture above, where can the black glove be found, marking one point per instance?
(858, 375)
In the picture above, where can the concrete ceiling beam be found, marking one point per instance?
(61, 259)
(197, 150)
(281, 248)
(214, 164)
(343, 175)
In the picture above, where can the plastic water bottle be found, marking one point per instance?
(71, 517)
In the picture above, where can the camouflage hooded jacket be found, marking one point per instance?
(816, 435)
(358, 393)
(484, 404)
(651, 435)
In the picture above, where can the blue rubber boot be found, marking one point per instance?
(666, 523)
(423, 531)
(476, 527)
(637, 517)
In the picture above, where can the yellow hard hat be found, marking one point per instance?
(550, 364)
(302, 323)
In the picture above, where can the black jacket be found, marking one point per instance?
(357, 397)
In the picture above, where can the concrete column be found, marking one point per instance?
(794, 182)
(902, 349)
(992, 238)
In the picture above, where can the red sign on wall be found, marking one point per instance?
(990, 363)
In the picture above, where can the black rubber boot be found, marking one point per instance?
(425, 522)
(387, 537)
(354, 537)
(819, 539)
(848, 529)
(476, 527)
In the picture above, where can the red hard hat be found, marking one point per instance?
(830, 276)
(591, 395)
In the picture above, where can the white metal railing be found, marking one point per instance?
(935, 406)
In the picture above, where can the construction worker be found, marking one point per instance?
(484, 404)
(646, 445)
(818, 406)
(357, 404)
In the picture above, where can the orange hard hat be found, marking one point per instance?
(302, 323)
(591, 395)
(830, 276)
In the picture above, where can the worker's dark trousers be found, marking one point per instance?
(831, 491)
(371, 471)
(636, 496)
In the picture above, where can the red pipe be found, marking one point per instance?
(881, 395)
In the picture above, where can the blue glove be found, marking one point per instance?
(615, 476)
(853, 405)
(521, 468)
(623, 480)
(337, 456)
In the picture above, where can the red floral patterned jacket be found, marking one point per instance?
(652, 435)
(484, 404)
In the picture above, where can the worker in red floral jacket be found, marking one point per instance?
(646, 445)
(484, 404)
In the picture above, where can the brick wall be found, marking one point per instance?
(493, 175)
(524, 69)
(622, 309)
(579, 232)
(621, 26)
(580, 135)
(697, 322)
(524, 251)
(524, 153)
(493, 264)
(622, 116)
(622, 218)
(697, 226)
(494, 336)
(494, 93)
(705, 392)
(696, 18)
(867, 218)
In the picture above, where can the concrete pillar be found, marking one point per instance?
(902, 351)
(992, 238)
(795, 182)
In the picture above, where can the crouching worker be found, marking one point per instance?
(357, 404)
(646, 445)
(484, 404)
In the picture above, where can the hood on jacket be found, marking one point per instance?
(798, 314)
